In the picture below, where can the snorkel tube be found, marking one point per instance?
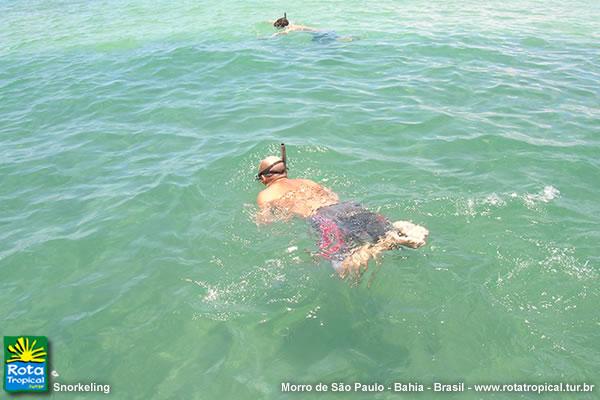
(283, 156)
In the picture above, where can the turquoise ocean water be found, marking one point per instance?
(129, 136)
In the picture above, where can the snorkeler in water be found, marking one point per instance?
(284, 27)
(350, 235)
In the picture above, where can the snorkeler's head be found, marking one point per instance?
(281, 22)
(271, 169)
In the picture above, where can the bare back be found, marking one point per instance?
(300, 197)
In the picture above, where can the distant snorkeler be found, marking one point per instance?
(284, 27)
(350, 235)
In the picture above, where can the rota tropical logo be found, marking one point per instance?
(26, 361)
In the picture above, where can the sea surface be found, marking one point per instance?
(130, 133)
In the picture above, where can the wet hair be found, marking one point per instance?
(281, 22)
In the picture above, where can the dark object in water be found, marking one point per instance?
(324, 36)
(281, 22)
(283, 158)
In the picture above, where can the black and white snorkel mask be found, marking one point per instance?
(267, 171)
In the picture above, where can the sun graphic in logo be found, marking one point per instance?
(23, 351)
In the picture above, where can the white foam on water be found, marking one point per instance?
(228, 298)
(548, 194)
(485, 205)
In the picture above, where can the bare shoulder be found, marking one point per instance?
(264, 197)
(325, 191)
(314, 185)
(307, 182)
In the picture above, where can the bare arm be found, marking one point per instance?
(301, 28)
(283, 32)
(264, 214)
(294, 28)
(271, 212)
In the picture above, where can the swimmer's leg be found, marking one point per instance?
(357, 262)
(404, 234)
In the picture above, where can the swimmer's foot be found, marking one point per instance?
(409, 234)
(357, 262)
